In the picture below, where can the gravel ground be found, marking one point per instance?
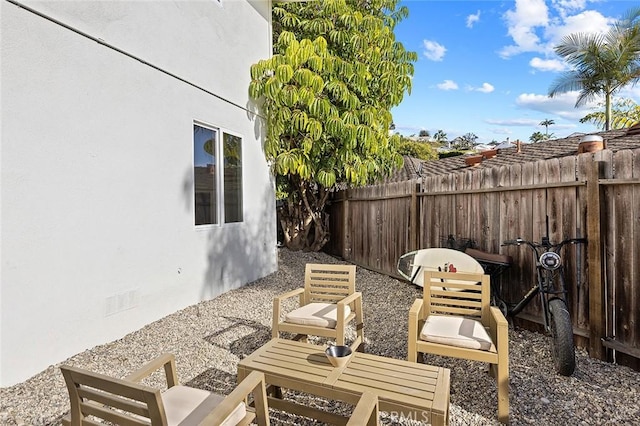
(209, 339)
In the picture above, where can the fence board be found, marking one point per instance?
(634, 341)
(624, 209)
(514, 215)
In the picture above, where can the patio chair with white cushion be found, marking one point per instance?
(327, 304)
(454, 318)
(97, 398)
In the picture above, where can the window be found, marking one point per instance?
(217, 172)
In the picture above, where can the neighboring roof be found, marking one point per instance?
(412, 169)
(505, 144)
(615, 140)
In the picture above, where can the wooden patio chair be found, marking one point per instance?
(327, 303)
(454, 319)
(97, 398)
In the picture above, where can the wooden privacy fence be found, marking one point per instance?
(595, 196)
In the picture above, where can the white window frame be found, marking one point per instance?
(219, 175)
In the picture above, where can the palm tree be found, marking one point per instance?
(441, 137)
(537, 137)
(546, 123)
(601, 63)
(624, 113)
(465, 142)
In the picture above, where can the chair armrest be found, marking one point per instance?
(415, 310)
(253, 383)
(350, 298)
(366, 411)
(498, 328)
(413, 331)
(497, 317)
(166, 360)
(289, 294)
(277, 303)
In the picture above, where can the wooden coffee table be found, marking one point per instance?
(410, 390)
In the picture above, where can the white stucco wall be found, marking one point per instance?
(96, 179)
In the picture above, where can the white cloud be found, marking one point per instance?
(534, 27)
(486, 88)
(522, 23)
(501, 131)
(565, 7)
(589, 21)
(447, 85)
(547, 64)
(513, 122)
(472, 19)
(630, 92)
(562, 105)
(433, 50)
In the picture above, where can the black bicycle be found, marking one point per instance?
(552, 289)
(550, 285)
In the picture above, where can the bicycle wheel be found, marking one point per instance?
(562, 348)
(497, 301)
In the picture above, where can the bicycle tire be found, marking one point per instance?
(562, 347)
(497, 301)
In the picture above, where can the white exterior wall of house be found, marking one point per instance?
(97, 219)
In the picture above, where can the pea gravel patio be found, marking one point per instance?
(209, 339)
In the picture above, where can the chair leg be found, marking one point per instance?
(360, 336)
(412, 354)
(502, 381)
(275, 320)
(360, 324)
(340, 332)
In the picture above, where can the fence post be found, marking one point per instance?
(346, 238)
(413, 236)
(597, 314)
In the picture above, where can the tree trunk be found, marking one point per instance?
(607, 114)
(304, 221)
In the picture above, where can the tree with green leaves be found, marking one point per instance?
(546, 123)
(440, 136)
(624, 113)
(326, 93)
(601, 64)
(423, 151)
(538, 137)
(465, 142)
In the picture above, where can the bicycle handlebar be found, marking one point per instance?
(519, 241)
(515, 242)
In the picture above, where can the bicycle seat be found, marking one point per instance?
(484, 256)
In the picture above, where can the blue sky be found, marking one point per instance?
(485, 67)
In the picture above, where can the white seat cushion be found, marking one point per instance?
(317, 314)
(456, 331)
(191, 405)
